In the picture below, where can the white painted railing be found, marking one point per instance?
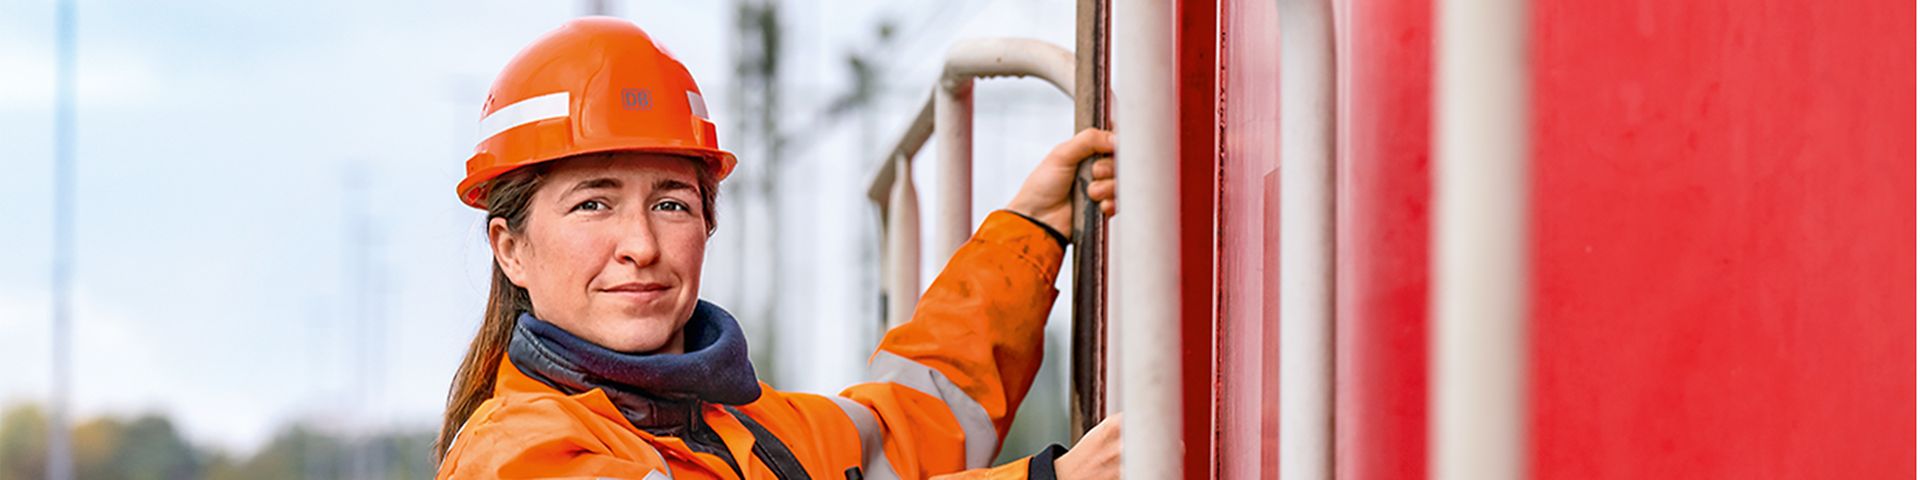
(948, 112)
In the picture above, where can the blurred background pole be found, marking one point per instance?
(598, 7)
(367, 337)
(59, 452)
(756, 100)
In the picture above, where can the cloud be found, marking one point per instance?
(107, 79)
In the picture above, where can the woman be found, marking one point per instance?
(598, 169)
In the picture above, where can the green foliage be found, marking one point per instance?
(23, 442)
(148, 447)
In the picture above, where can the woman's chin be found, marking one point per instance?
(635, 328)
(634, 334)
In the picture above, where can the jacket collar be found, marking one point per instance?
(659, 393)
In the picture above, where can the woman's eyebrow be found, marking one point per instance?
(594, 184)
(666, 184)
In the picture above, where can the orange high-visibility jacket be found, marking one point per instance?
(942, 394)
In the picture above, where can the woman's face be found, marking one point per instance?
(611, 249)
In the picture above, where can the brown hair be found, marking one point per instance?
(508, 198)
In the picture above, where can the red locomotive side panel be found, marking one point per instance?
(1722, 260)
(1382, 183)
(1249, 253)
(1196, 29)
(1723, 231)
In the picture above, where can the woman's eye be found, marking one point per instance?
(590, 205)
(671, 206)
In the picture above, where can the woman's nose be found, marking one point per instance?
(638, 245)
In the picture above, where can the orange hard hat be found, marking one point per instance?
(596, 84)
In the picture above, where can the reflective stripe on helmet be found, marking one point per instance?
(552, 105)
(698, 105)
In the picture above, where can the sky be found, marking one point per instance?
(218, 140)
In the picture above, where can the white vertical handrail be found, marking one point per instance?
(1148, 240)
(903, 247)
(1480, 248)
(953, 125)
(1306, 239)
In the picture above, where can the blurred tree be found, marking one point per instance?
(756, 99)
(23, 442)
(301, 451)
(94, 443)
(408, 454)
(296, 452)
(148, 447)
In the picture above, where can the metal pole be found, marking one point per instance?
(1148, 239)
(953, 124)
(1090, 110)
(59, 449)
(1306, 239)
(973, 59)
(354, 205)
(903, 246)
(1479, 359)
(952, 99)
(598, 7)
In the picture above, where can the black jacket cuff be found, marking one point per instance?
(1040, 467)
(1057, 236)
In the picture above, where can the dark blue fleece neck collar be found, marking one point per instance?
(654, 391)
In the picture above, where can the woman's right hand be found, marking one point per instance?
(1097, 456)
(1047, 195)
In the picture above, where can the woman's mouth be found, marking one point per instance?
(638, 292)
